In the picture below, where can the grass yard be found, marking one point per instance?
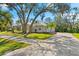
(76, 35)
(10, 45)
(12, 34)
(39, 36)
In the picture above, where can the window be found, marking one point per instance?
(36, 22)
(39, 28)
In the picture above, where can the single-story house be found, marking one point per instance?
(39, 27)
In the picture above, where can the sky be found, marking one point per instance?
(47, 14)
(74, 4)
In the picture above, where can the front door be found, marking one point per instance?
(35, 30)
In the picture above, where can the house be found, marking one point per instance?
(39, 27)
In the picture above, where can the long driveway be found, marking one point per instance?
(63, 44)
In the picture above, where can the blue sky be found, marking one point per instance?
(47, 15)
(74, 4)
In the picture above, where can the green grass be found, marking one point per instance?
(10, 45)
(76, 35)
(39, 36)
(12, 34)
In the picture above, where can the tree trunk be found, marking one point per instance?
(24, 28)
(30, 28)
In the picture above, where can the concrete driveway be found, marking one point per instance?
(63, 44)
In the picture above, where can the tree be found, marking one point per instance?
(25, 10)
(62, 8)
(30, 12)
(44, 8)
(5, 20)
(61, 21)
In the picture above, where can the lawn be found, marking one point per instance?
(12, 34)
(10, 45)
(76, 35)
(41, 36)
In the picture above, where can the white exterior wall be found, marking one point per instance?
(39, 29)
(42, 29)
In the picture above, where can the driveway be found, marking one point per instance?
(31, 41)
(63, 44)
